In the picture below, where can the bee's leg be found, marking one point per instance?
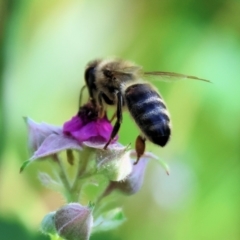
(80, 96)
(119, 119)
(91, 98)
(101, 112)
(139, 147)
(113, 116)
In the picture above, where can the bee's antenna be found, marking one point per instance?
(80, 96)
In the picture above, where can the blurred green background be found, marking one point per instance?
(44, 47)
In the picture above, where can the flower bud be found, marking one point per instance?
(114, 163)
(74, 222)
(133, 182)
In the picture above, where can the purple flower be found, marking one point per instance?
(87, 126)
(85, 129)
(46, 140)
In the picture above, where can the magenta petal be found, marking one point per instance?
(87, 127)
(85, 133)
(104, 128)
(72, 125)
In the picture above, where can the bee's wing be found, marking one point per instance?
(171, 76)
(126, 71)
(132, 69)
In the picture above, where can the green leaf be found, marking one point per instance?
(91, 205)
(48, 182)
(25, 164)
(109, 220)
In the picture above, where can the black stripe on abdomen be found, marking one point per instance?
(149, 112)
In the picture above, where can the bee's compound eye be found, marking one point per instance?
(107, 73)
(90, 77)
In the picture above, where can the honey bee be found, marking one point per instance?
(119, 83)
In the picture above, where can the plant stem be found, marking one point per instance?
(84, 158)
(72, 192)
(64, 178)
(55, 237)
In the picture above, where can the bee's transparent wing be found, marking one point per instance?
(128, 70)
(132, 69)
(171, 76)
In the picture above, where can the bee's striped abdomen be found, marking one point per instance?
(149, 112)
